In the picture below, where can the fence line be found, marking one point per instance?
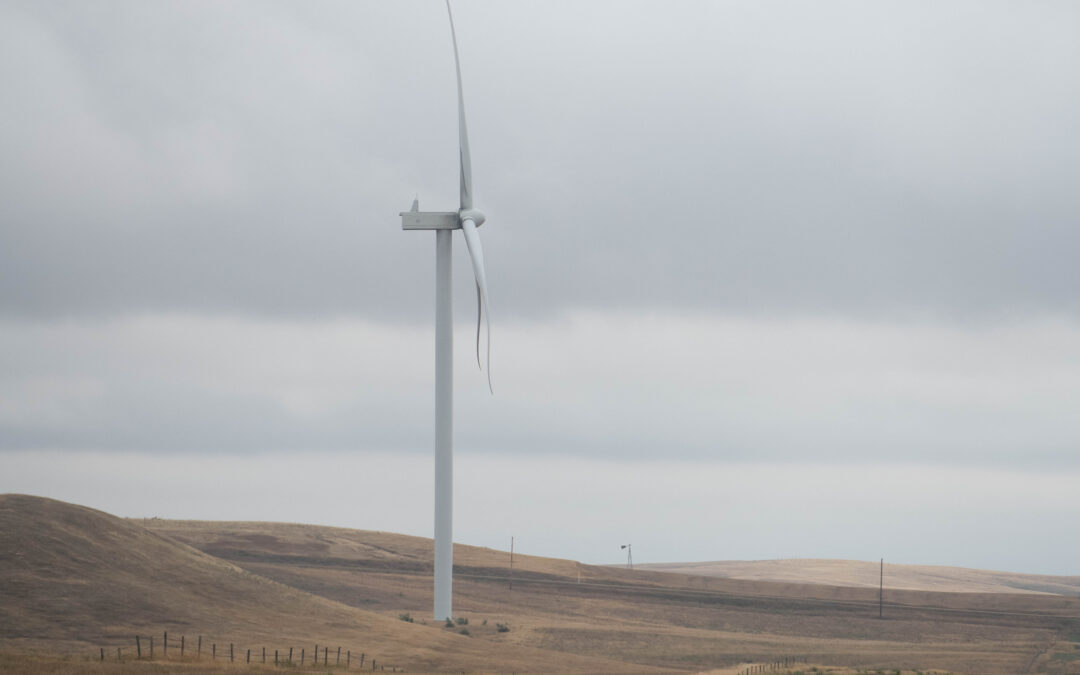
(784, 662)
(338, 655)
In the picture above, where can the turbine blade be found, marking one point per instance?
(463, 134)
(478, 315)
(476, 255)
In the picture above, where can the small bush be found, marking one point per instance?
(502, 628)
(462, 621)
(449, 622)
(484, 622)
(405, 617)
(464, 631)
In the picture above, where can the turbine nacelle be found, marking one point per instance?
(415, 219)
(475, 215)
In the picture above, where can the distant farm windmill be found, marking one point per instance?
(467, 219)
(629, 556)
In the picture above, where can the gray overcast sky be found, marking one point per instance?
(844, 156)
(834, 235)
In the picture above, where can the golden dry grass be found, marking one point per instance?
(648, 617)
(280, 584)
(865, 574)
(75, 579)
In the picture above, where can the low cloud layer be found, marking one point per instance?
(601, 385)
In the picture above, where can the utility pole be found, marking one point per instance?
(511, 563)
(881, 590)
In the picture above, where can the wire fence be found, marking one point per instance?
(782, 663)
(164, 648)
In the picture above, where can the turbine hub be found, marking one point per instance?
(475, 215)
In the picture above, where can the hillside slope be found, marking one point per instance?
(74, 577)
(864, 574)
(79, 578)
(652, 618)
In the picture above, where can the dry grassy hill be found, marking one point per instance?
(78, 577)
(865, 574)
(656, 618)
(75, 578)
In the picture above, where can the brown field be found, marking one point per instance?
(73, 580)
(866, 574)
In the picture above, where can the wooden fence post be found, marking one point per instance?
(275, 657)
(151, 647)
(373, 664)
(231, 658)
(138, 648)
(362, 656)
(181, 647)
(248, 656)
(198, 652)
(338, 663)
(264, 654)
(325, 650)
(213, 651)
(301, 656)
(165, 646)
(290, 655)
(102, 653)
(316, 654)
(117, 653)
(348, 658)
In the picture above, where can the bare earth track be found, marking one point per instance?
(80, 578)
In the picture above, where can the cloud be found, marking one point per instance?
(824, 240)
(675, 386)
(851, 158)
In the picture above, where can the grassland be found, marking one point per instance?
(866, 574)
(280, 584)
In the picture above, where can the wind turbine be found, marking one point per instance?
(467, 219)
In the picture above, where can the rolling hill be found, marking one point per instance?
(651, 617)
(865, 574)
(80, 578)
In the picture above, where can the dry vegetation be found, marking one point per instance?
(74, 579)
(865, 574)
(75, 584)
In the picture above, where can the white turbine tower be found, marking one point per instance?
(467, 218)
